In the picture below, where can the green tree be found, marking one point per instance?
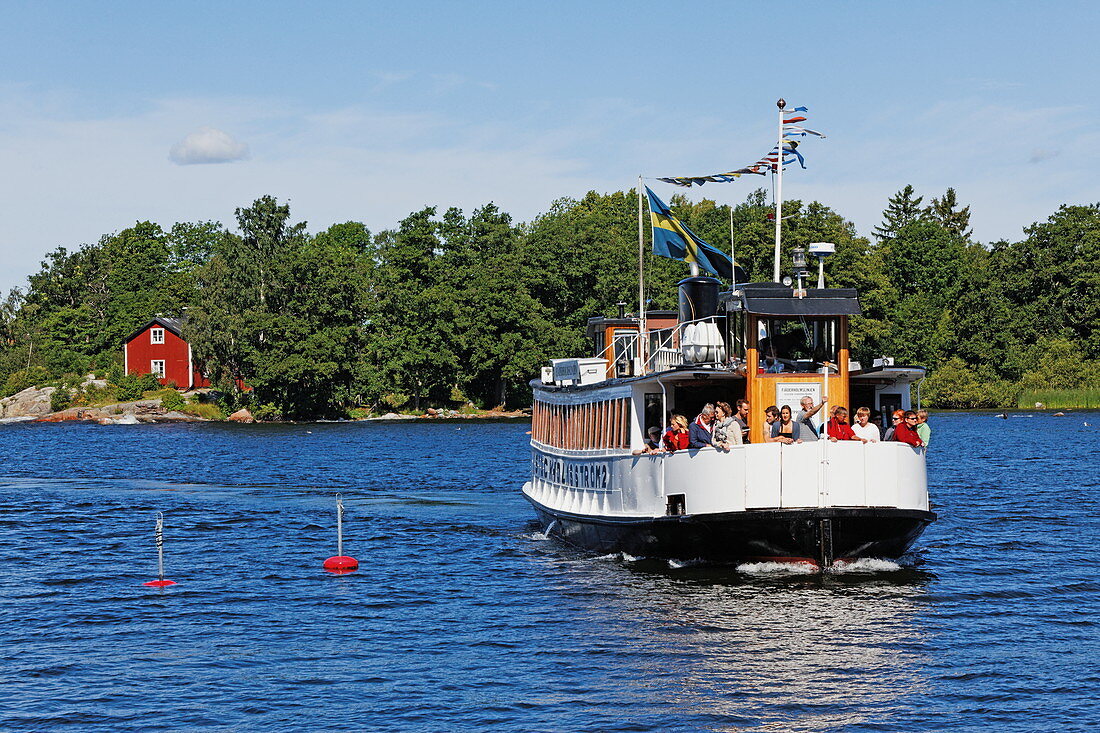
(283, 312)
(1052, 278)
(945, 212)
(901, 209)
(499, 331)
(410, 349)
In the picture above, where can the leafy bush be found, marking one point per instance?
(954, 385)
(20, 380)
(65, 361)
(170, 399)
(103, 362)
(115, 373)
(92, 395)
(267, 412)
(395, 400)
(457, 395)
(60, 399)
(134, 386)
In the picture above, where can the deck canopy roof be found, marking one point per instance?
(776, 299)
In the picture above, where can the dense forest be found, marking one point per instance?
(449, 308)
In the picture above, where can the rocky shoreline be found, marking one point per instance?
(33, 405)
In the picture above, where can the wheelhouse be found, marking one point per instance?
(763, 342)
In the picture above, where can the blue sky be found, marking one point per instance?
(111, 113)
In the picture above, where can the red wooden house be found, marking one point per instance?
(158, 348)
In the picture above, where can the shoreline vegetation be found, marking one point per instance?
(169, 405)
(454, 311)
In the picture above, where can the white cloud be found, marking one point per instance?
(1040, 155)
(208, 145)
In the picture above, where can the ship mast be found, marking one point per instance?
(641, 281)
(779, 187)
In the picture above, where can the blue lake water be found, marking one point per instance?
(463, 617)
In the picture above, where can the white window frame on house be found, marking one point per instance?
(156, 367)
(156, 335)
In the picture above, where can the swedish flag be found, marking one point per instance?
(674, 240)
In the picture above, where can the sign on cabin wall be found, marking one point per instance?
(791, 393)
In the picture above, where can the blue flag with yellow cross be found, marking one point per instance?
(671, 238)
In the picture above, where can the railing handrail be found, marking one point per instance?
(632, 340)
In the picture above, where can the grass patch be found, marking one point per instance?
(1081, 398)
(205, 410)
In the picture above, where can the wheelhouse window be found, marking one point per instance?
(156, 336)
(660, 338)
(626, 345)
(797, 344)
(156, 368)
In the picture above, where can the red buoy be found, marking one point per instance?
(160, 583)
(341, 563)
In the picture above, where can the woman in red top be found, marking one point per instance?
(676, 437)
(839, 429)
(906, 431)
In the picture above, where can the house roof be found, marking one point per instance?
(175, 325)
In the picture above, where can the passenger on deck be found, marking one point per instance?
(809, 430)
(771, 417)
(839, 429)
(676, 437)
(924, 430)
(864, 428)
(726, 431)
(906, 431)
(786, 429)
(742, 419)
(652, 443)
(699, 435)
(895, 419)
(773, 366)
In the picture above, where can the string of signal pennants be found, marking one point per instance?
(792, 129)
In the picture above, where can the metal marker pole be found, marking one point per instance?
(160, 545)
(339, 525)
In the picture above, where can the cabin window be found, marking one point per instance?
(626, 348)
(156, 368)
(156, 336)
(589, 426)
(598, 345)
(797, 344)
(660, 338)
(654, 412)
(735, 336)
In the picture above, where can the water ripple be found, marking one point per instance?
(464, 616)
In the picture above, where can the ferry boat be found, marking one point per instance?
(815, 502)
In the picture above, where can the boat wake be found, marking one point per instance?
(865, 565)
(777, 568)
(840, 567)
